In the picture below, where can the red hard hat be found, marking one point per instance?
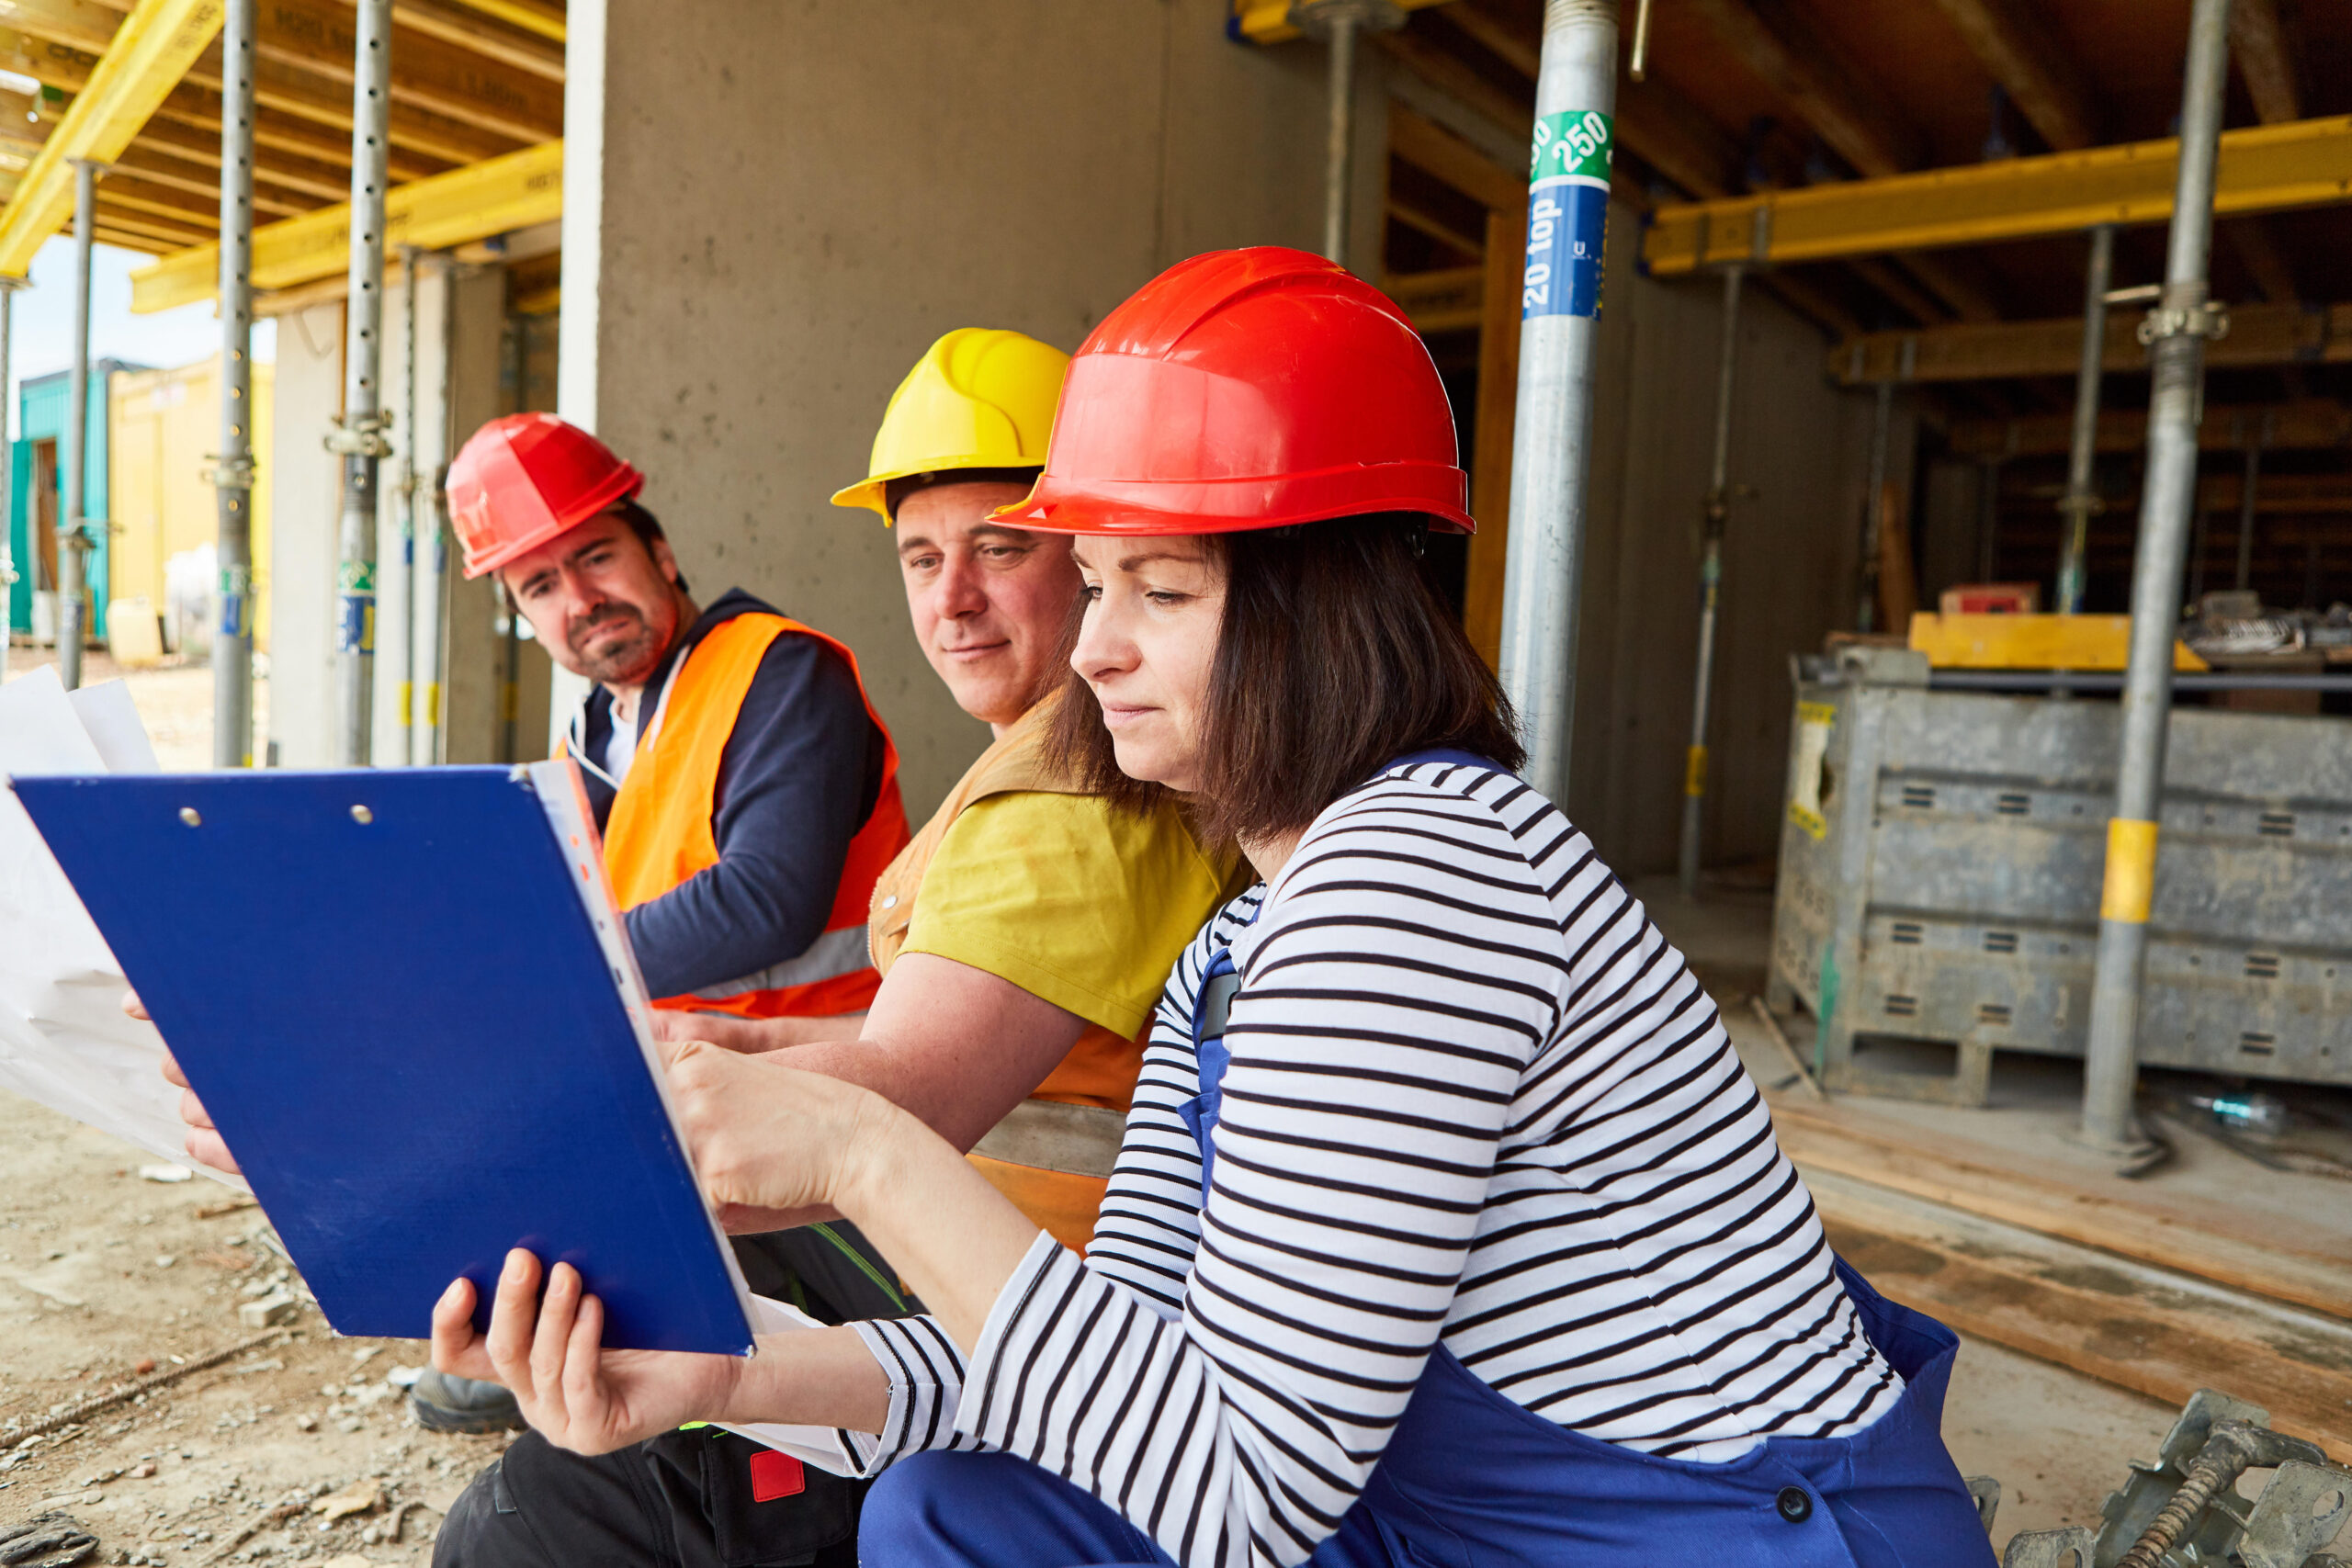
(1247, 388)
(525, 478)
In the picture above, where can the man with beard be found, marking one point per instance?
(746, 790)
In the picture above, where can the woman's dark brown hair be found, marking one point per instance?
(1335, 658)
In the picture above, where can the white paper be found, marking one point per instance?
(64, 1039)
(112, 720)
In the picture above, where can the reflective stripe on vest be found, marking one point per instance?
(660, 834)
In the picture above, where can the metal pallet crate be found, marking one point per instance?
(1941, 865)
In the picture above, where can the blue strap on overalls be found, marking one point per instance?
(1470, 1479)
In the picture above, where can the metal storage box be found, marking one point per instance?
(1940, 868)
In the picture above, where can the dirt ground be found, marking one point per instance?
(103, 1272)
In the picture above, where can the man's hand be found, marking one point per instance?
(550, 1355)
(204, 1143)
(751, 1036)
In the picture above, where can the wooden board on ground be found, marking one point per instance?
(2311, 1269)
(2158, 1333)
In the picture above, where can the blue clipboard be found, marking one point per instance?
(398, 1006)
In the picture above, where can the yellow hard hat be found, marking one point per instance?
(979, 399)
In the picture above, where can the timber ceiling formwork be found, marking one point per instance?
(1768, 98)
(473, 80)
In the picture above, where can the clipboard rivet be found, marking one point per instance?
(362, 815)
(188, 815)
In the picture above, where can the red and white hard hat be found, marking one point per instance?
(525, 478)
(1249, 389)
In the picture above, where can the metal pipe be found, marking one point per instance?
(358, 437)
(1567, 216)
(8, 287)
(1637, 64)
(232, 471)
(405, 745)
(2081, 502)
(433, 555)
(1339, 151)
(1874, 510)
(2245, 506)
(2176, 332)
(1714, 511)
(73, 537)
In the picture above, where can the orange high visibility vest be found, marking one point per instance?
(659, 834)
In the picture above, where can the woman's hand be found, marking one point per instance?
(549, 1355)
(204, 1144)
(763, 1135)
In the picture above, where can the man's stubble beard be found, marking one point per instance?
(628, 662)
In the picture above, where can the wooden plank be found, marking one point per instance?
(2216, 1247)
(2258, 334)
(1490, 459)
(2266, 59)
(2310, 424)
(1434, 149)
(513, 191)
(2163, 1335)
(2040, 76)
(1804, 70)
(1442, 301)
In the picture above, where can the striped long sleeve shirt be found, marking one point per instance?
(1476, 1100)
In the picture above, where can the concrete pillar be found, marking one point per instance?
(767, 219)
(305, 494)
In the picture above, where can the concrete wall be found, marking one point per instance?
(768, 217)
(1789, 558)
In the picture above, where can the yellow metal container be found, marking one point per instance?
(2032, 642)
(164, 425)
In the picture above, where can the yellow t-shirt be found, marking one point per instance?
(1079, 904)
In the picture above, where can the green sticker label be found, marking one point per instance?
(355, 577)
(1575, 145)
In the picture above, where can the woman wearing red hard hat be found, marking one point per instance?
(1447, 1227)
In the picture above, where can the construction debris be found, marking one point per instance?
(2184, 1511)
(46, 1540)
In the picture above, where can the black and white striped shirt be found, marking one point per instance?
(1475, 1099)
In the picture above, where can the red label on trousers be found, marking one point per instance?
(775, 1475)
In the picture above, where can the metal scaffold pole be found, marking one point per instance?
(2176, 332)
(358, 437)
(232, 471)
(411, 691)
(73, 536)
(2081, 502)
(1874, 510)
(1715, 512)
(8, 574)
(1341, 25)
(1567, 218)
(426, 603)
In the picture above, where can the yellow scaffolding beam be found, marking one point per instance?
(1267, 21)
(148, 55)
(494, 196)
(2305, 163)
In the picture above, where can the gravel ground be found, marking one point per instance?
(108, 1277)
